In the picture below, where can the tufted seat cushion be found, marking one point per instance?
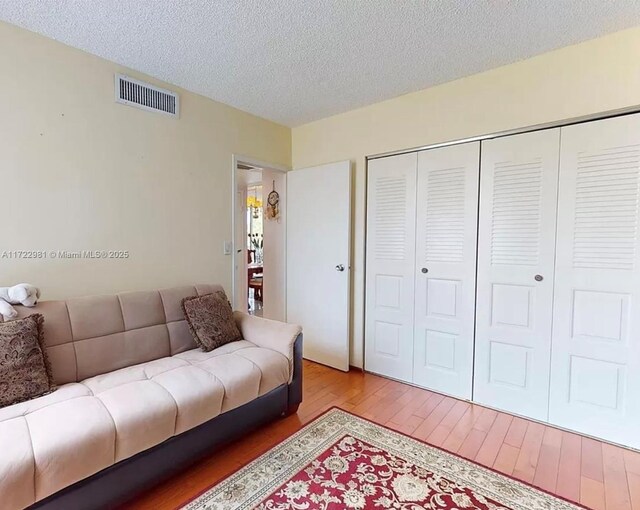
(56, 440)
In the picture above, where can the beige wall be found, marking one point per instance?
(80, 172)
(274, 280)
(595, 76)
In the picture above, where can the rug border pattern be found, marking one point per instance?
(333, 424)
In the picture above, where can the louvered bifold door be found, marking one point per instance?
(446, 228)
(391, 213)
(595, 383)
(516, 245)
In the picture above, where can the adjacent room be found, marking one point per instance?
(298, 255)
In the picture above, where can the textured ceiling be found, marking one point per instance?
(293, 61)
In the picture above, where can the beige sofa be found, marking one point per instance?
(131, 378)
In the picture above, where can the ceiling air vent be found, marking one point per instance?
(146, 96)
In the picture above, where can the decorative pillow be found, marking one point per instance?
(25, 372)
(210, 320)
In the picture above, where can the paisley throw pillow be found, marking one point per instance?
(210, 320)
(25, 372)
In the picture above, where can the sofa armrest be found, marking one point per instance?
(275, 335)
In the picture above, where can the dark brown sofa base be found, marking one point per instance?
(122, 481)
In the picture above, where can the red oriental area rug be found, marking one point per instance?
(341, 461)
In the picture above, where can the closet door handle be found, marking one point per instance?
(340, 268)
(538, 277)
(424, 270)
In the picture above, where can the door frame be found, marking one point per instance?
(240, 159)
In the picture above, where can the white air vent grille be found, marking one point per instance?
(146, 96)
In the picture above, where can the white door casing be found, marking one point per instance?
(390, 262)
(240, 249)
(516, 245)
(318, 258)
(595, 380)
(445, 269)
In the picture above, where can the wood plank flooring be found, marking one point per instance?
(596, 474)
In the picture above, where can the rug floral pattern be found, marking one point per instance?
(340, 461)
(355, 474)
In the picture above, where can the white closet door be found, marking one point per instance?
(446, 231)
(596, 334)
(391, 213)
(518, 201)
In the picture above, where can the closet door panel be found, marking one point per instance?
(596, 334)
(390, 259)
(517, 225)
(446, 231)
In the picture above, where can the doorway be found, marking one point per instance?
(259, 239)
(254, 213)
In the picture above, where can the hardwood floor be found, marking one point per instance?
(596, 474)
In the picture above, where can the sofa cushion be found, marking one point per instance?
(121, 350)
(25, 372)
(210, 320)
(17, 471)
(141, 372)
(71, 440)
(196, 355)
(95, 316)
(56, 440)
(273, 366)
(143, 413)
(62, 394)
(246, 371)
(180, 338)
(92, 335)
(240, 378)
(198, 395)
(141, 309)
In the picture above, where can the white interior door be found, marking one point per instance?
(516, 245)
(596, 333)
(318, 257)
(390, 256)
(445, 273)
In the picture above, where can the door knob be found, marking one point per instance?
(538, 278)
(424, 270)
(340, 268)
